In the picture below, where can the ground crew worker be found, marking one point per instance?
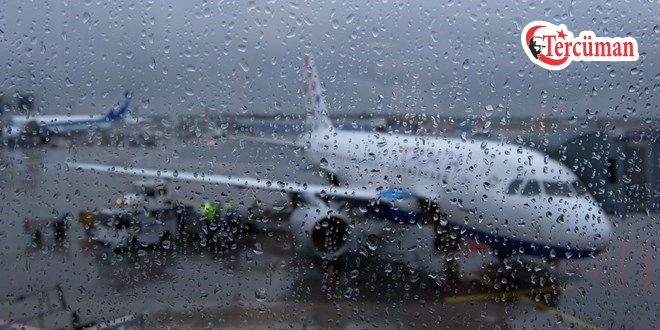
(221, 223)
(210, 211)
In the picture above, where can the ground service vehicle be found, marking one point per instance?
(123, 229)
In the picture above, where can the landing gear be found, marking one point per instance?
(166, 241)
(447, 241)
(332, 178)
(34, 134)
(447, 238)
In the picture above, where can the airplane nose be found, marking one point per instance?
(587, 228)
(604, 229)
(597, 230)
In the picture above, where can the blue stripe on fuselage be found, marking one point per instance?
(392, 194)
(115, 113)
(505, 244)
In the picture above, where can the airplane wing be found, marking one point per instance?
(235, 181)
(278, 142)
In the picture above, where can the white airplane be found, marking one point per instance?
(415, 195)
(43, 126)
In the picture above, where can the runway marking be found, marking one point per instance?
(541, 306)
(510, 294)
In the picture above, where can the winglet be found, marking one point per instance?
(316, 114)
(120, 109)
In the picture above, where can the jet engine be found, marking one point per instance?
(320, 230)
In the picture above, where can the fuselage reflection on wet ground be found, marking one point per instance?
(264, 280)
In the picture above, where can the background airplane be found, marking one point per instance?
(412, 198)
(21, 128)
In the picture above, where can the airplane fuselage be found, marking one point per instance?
(55, 124)
(470, 182)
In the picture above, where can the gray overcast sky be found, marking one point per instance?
(384, 56)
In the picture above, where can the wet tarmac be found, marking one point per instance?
(264, 281)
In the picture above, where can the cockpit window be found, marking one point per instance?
(514, 187)
(555, 188)
(531, 188)
(579, 188)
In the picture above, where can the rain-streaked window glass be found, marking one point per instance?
(304, 164)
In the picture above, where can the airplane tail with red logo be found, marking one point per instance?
(316, 113)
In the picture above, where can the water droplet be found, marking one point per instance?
(166, 244)
(518, 22)
(207, 12)
(213, 226)
(257, 249)
(348, 293)
(354, 273)
(244, 65)
(292, 33)
(488, 110)
(260, 294)
(372, 242)
(590, 114)
(466, 64)
(388, 268)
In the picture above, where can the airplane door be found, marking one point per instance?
(636, 171)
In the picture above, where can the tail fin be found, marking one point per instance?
(120, 109)
(316, 114)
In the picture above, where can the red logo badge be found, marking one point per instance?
(553, 47)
